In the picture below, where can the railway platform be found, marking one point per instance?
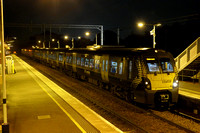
(38, 105)
(190, 89)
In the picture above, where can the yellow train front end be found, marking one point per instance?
(160, 80)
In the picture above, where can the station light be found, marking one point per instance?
(140, 24)
(87, 33)
(66, 37)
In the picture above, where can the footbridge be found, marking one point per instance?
(188, 62)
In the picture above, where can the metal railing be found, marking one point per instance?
(189, 74)
(191, 53)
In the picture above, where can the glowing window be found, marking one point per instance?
(130, 69)
(106, 65)
(67, 59)
(166, 65)
(78, 61)
(153, 67)
(87, 61)
(82, 61)
(103, 65)
(120, 67)
(60, 58)
(70, 59)
(91, 63)
(113, 67)
(97, 62)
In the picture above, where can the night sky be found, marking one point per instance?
(109, 13)
(105, 12)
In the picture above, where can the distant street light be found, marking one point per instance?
(140, 25)
(152, 32)
(58, 42)
(67, 37)
(88, 33)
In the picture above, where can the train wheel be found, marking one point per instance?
(129, 97)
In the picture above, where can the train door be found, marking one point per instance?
(104, 67)
(74, 63)
(47, 57)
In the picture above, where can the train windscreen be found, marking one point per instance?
(166, 65)
(152, 64)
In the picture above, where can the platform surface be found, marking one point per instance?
(190, 89)
(38, 105)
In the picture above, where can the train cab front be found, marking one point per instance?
(161, 84)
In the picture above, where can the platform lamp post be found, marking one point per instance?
(152, 32)
(39, 43)
(5, 125)
(67, 37)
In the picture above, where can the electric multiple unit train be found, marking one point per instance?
(143, 75)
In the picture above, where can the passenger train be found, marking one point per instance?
(143, 75)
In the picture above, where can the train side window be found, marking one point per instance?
(87, 61)
(103, 62)
(113, 67)
(70, 59)
(91, 63)
(82, 61)
(78, 61)
(130, 69)
(106, 65)
(54, 56)
(49, 56)
(67, 59)
(97, 64)
(120, 67)
(60, 58)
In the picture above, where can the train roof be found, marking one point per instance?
(109, 50)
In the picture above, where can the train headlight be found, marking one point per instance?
(147, 83)
(175, 83)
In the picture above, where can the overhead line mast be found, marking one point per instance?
(50, 26)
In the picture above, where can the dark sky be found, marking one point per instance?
(109, 13)
(106, 12)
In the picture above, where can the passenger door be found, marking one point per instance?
(104, 67)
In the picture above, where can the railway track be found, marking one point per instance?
(124, 115)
